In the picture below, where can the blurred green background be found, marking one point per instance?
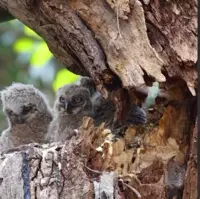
(25, 58)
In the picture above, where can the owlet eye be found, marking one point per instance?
(26, 109)
(77, 99)
(10, 112)
(62, 99)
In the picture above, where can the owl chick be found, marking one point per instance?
(89, 84)
(28, 115)
(104, 109)
(174, 178)
(71, 105)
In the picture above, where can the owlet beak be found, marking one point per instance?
(68, 107)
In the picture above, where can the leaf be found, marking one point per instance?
(30, 32)
(41, 55)
(63, 77)
(23, 45)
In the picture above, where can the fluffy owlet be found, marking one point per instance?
(71, 105)
(104, 109)
(75, 101)
(28, 115)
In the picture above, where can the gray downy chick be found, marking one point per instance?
(28, 114)
(71, 105)
(104, 109)
(174, 178)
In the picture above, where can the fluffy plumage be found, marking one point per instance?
(75, 101)
(89, 84)
(71, 105)
(104, 109)
(28, 115)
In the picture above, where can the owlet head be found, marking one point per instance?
(22, 103)
(72, 100)
(89, 84)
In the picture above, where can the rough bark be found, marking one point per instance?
(191, 174)
(117, 43)
(76, 169)
(120, 43)
(124, 38)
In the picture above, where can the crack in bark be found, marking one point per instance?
(25, 176)
(38, 167)
(81, 43)
(35, 192)
(63, 184)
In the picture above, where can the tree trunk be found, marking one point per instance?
(121, 45)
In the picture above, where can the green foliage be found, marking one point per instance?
(63, 77)
(23, 45)
(41, 55)
(152, 94)
(29, 32)
(38, 50)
